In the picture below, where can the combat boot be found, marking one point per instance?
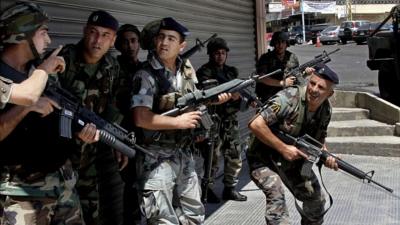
(229, 193)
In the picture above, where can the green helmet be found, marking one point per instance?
(215, 44)
(148, 33)
(20, 21)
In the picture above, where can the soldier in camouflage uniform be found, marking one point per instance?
(229, 142)
(172, 176)
(92, 75)
(36, 191)
(279, 58)
(296, 111)
(127, 42)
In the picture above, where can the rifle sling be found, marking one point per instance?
(285, 180)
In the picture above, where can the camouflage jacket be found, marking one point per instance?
(5, 91)
(287, 111)
(269, 62)
(127, 71)
(157, 88)
(210, 71)
(95, 85)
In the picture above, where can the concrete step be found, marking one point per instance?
(340, 114)
(365, 145)
(364, 127)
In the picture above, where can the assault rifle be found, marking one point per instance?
(298, 71)
(73, 111)
(314, 150)
(197, 47)
(200, 97)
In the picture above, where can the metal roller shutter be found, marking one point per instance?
(233, 20)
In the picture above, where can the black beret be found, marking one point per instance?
(169, 23)
(326, 73)
(103, 19)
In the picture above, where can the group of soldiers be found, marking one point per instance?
(86, 182)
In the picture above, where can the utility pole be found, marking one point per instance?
(302, 21)
(348, 10)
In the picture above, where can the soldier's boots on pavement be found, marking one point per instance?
(230, 193)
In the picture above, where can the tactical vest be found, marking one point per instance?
(323, 115)
(34, 140)
(170, 138)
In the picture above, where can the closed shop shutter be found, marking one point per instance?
(232, 20)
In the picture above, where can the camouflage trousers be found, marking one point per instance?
(100, 187)
(169, 190)
(228, 146)
(51, 200)
(306, 190)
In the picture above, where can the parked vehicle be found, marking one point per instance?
(365, 30)
(316, 30)
(384, 56)
(296, 34)
(330, 35)
(348, 29)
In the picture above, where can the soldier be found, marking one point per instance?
(163, 78)
(297, 110)
(229, 141)
(92, 75)
(36, 190)
(127, 42)
(279, 58)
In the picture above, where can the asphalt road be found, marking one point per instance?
(349, 63)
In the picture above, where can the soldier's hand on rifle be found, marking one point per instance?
(89, 134)
(121, 159)
(331, 163)
(53, 64)
(288, 81)
(223, 97)
(44, 106)
(291, 153)
(309, 70)
(189, 120)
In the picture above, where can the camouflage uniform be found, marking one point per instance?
(229, 141)
(37, 191)
(268, 63)
(99, 186)
(128, 174)
(5, 91)
(173, 176)
(288, 112)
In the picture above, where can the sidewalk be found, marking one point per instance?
(354, 203)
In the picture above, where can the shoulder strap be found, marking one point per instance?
(301, 105)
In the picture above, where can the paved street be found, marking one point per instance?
(349, 63)
(355, 203)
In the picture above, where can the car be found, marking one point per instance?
(348, 29)
(330, 35)
(366, 30)
(296, 34)
(316, 30)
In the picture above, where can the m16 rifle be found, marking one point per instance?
(197, 47)
(200, 97)
(315, 152)
(298, 72)
(73, 113)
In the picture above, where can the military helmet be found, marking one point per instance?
(20, 21)
(149, 31)
(279, 36)
(215, 44)
(125, 28)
